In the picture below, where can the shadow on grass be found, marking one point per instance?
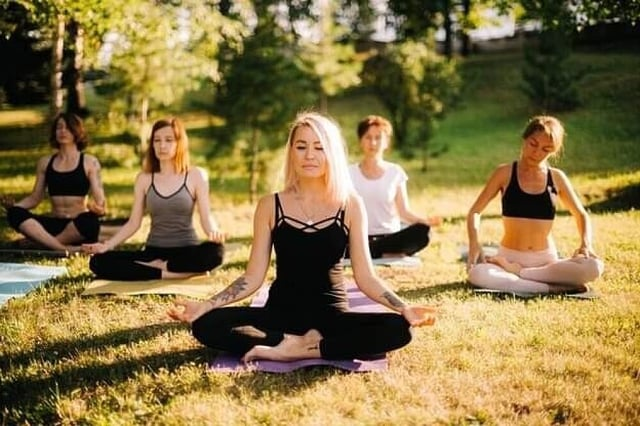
(618, 199)
(29, 398)
(436, 290)
(24, 392)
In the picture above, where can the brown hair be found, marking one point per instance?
(549, 125)
(75, 126)
(374, 120)
(181, 160)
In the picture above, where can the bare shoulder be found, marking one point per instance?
(198, 173)
(354, 207)
(143, 179)
(557, 173)
(559, 177)
(91, 162)
(266, 202)
(44, 161)
(265, 211)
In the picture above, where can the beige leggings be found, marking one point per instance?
(541, 272)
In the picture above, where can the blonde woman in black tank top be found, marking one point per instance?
(308, 224)
(169, 190)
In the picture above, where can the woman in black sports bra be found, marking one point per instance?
(68, 176)
(527, 259)
(308, 224)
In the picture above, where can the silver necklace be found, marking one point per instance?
(308, 218)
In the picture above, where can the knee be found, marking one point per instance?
(16, 215)
(591, 269)
(96, 264)
(204, 330)
(478, 273)
(214, 254)
(422, 231)
(402, 332)
(88, 225)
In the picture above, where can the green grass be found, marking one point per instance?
(68, 359)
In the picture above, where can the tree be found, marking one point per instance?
(416, 85)
(261, 90)
(159, 52)
(549, 83)
(332, 59)
(26, 81)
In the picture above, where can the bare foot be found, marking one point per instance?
(291, 348)
(512, 267)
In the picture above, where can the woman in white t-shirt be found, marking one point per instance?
(394, 229)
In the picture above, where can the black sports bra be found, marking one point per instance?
(517, 203)
(73, 182)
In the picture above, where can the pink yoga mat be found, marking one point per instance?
(358, 302)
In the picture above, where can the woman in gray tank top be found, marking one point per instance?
(169, 190)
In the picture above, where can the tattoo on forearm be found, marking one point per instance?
(393, 299)
(230, 293)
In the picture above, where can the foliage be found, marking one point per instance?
(26, 81)
(72, 359)
(548, 82)
(333, 62)
(261, 90)
(417, 86)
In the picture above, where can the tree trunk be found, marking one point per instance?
(253, 166)
(76, 100)
(465, 48)
(144, 127)
(56, 67)
(448, 31)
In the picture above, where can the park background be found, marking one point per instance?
(237, 72)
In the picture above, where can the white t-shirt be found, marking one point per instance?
(379, 197)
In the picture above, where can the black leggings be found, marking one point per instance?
(346, 335)
(406, 241)
(122, 265)
(87, 223)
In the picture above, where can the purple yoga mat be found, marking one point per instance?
(230, 363)
(358, 302)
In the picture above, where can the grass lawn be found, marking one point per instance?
(69, 359)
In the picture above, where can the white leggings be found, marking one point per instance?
(541, 272)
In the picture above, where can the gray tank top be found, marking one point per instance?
(171, 217)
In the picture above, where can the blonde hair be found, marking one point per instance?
(181, 160)
(550, 126)
(337, 179)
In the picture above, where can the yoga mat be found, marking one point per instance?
(13, 252)
(586, 295)
(405, 261)
(487, 249)
(358, 302)
(17, 279)
(198, 287)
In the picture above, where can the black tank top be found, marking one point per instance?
(517, 203)
(74, 182)
(309, 271)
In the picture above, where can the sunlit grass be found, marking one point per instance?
(68, 359)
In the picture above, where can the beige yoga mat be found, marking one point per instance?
(197, 287)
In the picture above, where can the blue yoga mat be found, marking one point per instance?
(17, 279)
